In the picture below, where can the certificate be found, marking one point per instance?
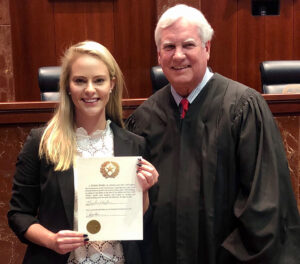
(110, 198)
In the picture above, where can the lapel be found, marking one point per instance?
(66, 185)
(122, 142)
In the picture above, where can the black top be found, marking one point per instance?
(42, 195)
(224, 193)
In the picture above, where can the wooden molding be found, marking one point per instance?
(283, 104)
(41, 112)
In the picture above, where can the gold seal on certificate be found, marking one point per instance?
(110, 169)
(93, 227)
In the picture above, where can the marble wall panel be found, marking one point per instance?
(7, 92)
(11, 141)
(290, 131)
(4, 12)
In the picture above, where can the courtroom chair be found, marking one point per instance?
(48, 78)
(282, 76)
(158, 78)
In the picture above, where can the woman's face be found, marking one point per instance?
(90, 87)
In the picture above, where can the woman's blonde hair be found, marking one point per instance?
(58, 143)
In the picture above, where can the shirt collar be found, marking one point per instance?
(191, 97)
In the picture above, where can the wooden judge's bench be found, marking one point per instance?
(17, 118)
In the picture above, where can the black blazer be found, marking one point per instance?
(42, 195)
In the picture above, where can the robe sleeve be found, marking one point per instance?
(139, 121)
(26, 187)
(268, 229)
(136, 123)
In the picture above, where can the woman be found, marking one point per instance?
(87, 123)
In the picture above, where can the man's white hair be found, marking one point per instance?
(190, 14)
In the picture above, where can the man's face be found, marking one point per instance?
(182, 56)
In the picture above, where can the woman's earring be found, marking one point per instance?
(110, 91)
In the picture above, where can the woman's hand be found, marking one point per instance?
(61, 242)
(147, 176)
(66, 241)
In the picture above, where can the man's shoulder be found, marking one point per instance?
(238, 98)
(153, 106)
(154, 102)
(125, 134)
(158, 97)
(229, 83)
(235, 88)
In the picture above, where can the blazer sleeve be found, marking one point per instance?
(25, 198)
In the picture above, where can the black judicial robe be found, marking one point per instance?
(224, 193)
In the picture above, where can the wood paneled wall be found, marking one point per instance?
(42, 29)
(242, 41)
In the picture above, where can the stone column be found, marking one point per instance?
(7, 92)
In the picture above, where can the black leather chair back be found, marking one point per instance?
(158, 78)
(279, 77)
(48, 78)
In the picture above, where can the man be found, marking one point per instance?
(224, 194)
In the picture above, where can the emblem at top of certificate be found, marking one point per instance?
(109, 169)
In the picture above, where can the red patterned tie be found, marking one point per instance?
(185, 106)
